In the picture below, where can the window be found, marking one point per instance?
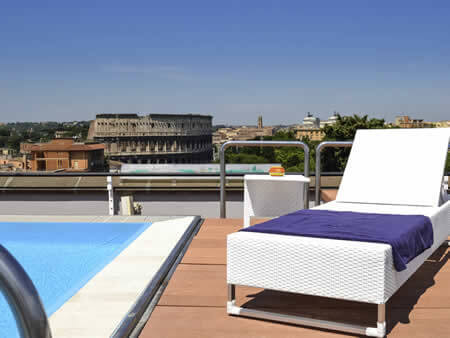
(60, 164)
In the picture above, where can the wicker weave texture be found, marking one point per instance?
(349, 270)
(314, 266)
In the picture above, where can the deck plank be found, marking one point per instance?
(193, 304)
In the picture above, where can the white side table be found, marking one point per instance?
(272, 196)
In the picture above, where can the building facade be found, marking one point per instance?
(65, 154)
(442, 124)
(312, 127)
(260, 122)
(242, 133)
(331, 120)
(8, 163)
(313, 134)
(310, 121)
(404, 121)
(25, 148)
(154, 138)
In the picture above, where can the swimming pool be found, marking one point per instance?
(61, 258)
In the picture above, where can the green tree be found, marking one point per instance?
(244, 158)
(14, 142)
(346, 126)
(4, 131)
(291, 158)
(335, 159)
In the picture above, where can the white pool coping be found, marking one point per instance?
(98, 308)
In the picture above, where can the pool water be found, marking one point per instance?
(61, 258)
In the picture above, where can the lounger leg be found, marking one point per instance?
(231, 292)
(380, 330)
(381, 323)
(232, 309)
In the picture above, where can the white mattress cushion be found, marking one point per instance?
(396, 166)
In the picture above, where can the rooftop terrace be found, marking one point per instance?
(194, 302)
(191, 301)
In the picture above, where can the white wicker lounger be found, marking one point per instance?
(351, 270)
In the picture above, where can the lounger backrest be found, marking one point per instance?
(396, 166)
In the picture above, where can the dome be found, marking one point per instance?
(333, 118)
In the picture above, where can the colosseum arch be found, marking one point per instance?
(154, 138)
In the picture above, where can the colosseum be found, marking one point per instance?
(154, 138)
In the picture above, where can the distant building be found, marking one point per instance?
(8, 163)
(404, 121)
(311, 122)
(240, 134)
(60, 133)
(315, 123)
(331, 120)
(154, 138)
(7, 152)
(65, 154)
(312, 127)
(442, 124)
(243, 133)
(260, 122)
(219, 136)
(25, 148)
(314, 134)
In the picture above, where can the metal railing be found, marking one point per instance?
(223, 173)
(109, 182)
(23, 298)
(323, 145)
(105, 174)
(134, 315)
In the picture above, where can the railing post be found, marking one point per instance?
(258, 144)
(23, 298)
(223, 183)
(110, 188)
(322, 145)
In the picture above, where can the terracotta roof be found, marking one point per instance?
(67, 147)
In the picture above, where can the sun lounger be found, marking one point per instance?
(397, 172)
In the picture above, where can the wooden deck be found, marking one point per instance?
(328, 195)
(193, 305)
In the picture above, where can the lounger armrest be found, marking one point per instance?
(442, 215)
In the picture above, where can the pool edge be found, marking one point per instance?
(132, 319)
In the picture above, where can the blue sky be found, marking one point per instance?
(68, 60)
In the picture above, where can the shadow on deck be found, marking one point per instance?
(193, 305)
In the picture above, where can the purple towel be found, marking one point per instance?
(408, 235)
